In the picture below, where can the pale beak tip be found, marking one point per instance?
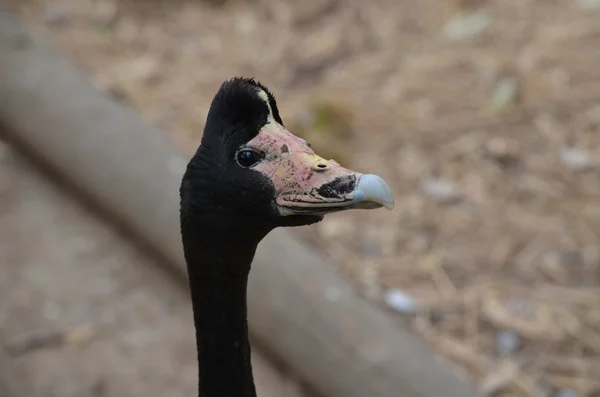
(375, 189)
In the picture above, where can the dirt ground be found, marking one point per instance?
(75, 293)
(483, 115)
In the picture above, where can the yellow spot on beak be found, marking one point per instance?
(318, 163)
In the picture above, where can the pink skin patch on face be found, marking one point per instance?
(295, 169)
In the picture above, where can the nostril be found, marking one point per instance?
(321, 167)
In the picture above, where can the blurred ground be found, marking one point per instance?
(82, 312)
(483, 115)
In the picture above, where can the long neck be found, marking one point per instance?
(218, 267)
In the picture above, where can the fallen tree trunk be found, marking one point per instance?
(343, 347)
(11, 382)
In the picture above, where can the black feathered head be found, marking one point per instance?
(252, 172)
(238, 111)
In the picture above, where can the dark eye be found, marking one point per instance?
(248, 157)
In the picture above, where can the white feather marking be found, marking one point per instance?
(263, 95)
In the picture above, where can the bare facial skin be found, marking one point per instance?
(305, 181)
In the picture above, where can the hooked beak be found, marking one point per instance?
(307, 184)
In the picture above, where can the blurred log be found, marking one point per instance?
(343, 348)
(11, 383)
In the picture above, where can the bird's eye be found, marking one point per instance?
(248, 157)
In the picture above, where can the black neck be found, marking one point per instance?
(218, 267)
